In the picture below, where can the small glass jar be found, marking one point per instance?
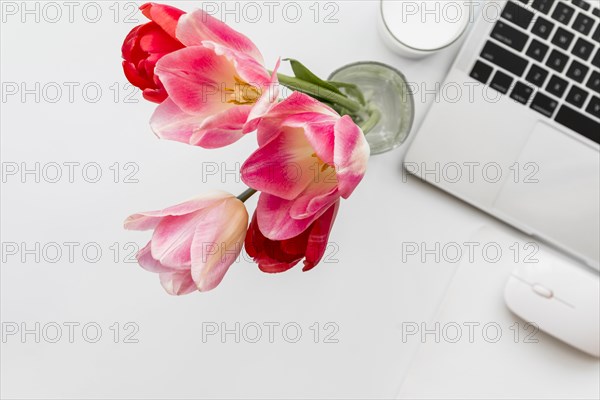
(418, 29)
(386, 90)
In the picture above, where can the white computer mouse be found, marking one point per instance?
(561, 297)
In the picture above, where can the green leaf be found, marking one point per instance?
(303, 73)
(319, 92)
(313, 91)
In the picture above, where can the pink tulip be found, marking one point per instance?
(194, 243)
(308, 158)
(216, 84)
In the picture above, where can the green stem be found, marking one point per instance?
(324, 93)
(246, 195)
(374, 117)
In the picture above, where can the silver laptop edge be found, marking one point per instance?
(508, 159)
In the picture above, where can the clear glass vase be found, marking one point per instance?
(385, 89)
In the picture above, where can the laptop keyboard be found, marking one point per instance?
(545, 54)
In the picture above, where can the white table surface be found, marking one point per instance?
(364, 288)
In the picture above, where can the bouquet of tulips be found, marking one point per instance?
(212, 89)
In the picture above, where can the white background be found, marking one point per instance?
(363, 287)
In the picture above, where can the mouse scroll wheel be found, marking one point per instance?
(542, 291)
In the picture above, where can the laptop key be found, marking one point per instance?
(577, 71)
(537, 50)
(537, 75)
(557, 60)
(501, 82)
(504, 58)
(563, 13)
(579, 123)
(594, 81)
(542, 5)
(481, 71)
(596, 59)
(544, 105)
(521, 93)
(583, 49)
(557, 86)
(577, 96)
(563, 38)
(594, 107)
(509, 36)
(517, 15)
(596, 35)
(596, 12)
(542, 28)
(583, 24)
(582, 4)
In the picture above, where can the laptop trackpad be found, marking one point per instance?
(554, 191)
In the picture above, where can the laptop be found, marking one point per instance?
(515, 128)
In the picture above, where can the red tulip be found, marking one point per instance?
(274, 256)
(148, 43)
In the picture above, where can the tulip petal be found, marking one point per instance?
(274, 219)
(155, 95)
(314, 200)
(296, 103)
(197, 27)
(271, 266)
(246, 67)
(134, 77)
(150, 219)
(221, 129)
(194, 78)
(268, 99)
(217, 245)
(129, 50)
(282, 167)
(172, 239)
(299, 103)
(153, 39)
(272, 256)
(165, 16)
(224, 128)
(319, 237)
(351, 155)
(147, 262)
(170, 122)
(178, 283)
(319, 131)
